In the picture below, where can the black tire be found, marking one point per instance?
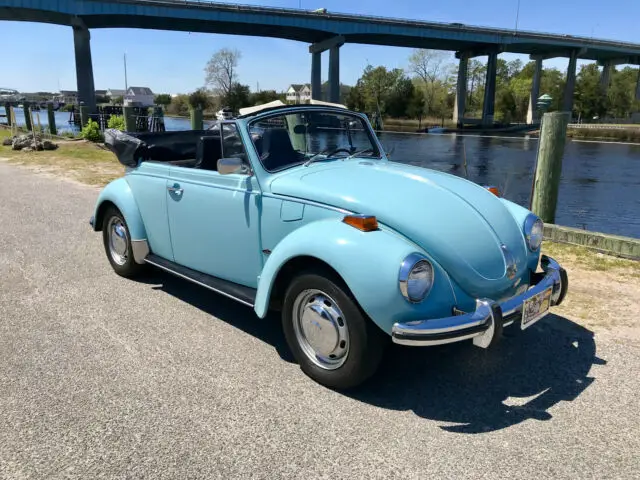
(366, 341)
(123, 265)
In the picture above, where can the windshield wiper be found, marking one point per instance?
(329, 152)
(360, 152)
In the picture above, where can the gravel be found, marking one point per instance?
(102, 377)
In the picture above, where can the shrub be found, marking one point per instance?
(117, 122)
(91, 132)
(199, 99)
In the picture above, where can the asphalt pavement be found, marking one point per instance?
(103, 377)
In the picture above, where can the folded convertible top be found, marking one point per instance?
(132, 148)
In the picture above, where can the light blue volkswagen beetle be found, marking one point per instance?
(298, 209)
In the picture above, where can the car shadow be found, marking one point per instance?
(472, 389)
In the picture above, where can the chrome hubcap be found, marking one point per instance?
(321, 329)
(118, 241)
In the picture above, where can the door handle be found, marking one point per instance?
(175, 189)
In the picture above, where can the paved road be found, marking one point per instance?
(102, 377)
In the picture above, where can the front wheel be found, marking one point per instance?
(117, 244)
(330, 337)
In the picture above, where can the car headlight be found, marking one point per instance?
(416, 277)
(533, 232)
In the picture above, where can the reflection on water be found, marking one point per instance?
(599, 188)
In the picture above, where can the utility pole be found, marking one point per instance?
(126, 87)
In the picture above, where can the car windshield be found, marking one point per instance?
(306, 136)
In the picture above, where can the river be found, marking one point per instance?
(599, 188)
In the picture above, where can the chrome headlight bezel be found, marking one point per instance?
(408, 267)
(533, 232)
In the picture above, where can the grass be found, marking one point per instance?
(630, 134)
(77, 160)
(590, 259)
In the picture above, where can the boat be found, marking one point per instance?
(224, 114)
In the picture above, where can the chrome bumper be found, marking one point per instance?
(485, 324)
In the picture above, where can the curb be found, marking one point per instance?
(624, 247)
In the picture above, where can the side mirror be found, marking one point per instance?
(231, 165)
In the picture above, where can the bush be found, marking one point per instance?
(199, 99)
(117, 122)
(91, 132)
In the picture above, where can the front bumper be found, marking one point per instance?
(485, 324)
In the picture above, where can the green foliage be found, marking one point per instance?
(265, 96)
(102, 99)
(237, 97)
(68, 107)
(179, 106)
(162, 99)
(117, 122)
(199, 99)
(91, 132)
(118, 100)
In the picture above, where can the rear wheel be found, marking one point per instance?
(117, 244)
(330, 337)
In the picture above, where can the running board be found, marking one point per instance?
(239, 293)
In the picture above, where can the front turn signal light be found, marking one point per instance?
(365, 223)
(493, 190)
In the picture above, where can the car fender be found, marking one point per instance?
(368, 262)
(118, 193)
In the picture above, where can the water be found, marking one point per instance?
(599, 187)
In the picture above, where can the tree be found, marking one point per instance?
(264, 96)
(237, 97)
(376, 84)
(589, 99)
(476, 73)
(430, 68)
(179, 106)
(199, 99)
(220, 72)
(162, 99)
(117, 100)
(355, 98)
(399, 98)
(416, 107)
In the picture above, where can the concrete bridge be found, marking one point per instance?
(325, 31)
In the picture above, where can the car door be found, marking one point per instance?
(214, 218)
(148, 183)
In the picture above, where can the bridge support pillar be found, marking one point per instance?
(605, 77)
(316, 72)
(461, 91)
(334, 74)
(532, 113)
(488, 108)
(84, 67)
(567, 98)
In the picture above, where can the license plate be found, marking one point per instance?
(535, 308)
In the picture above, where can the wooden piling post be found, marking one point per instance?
(553, 134)
(7, 110)
(196, 119)
(129, 119)
(84, 115)
(51, 115)
(26, 109)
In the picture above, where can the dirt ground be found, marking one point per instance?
(604, 291)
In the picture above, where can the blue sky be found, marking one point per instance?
(173, 62)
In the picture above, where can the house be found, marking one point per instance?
(299, 93)
(101, 93)
(67, 97)
(139, 97)
(114, 93)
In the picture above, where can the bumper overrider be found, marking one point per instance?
(484, 325)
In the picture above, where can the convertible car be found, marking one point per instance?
(297, 209)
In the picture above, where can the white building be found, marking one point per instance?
(139, 97)
(299, 93)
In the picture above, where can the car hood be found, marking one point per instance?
(464, 227)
